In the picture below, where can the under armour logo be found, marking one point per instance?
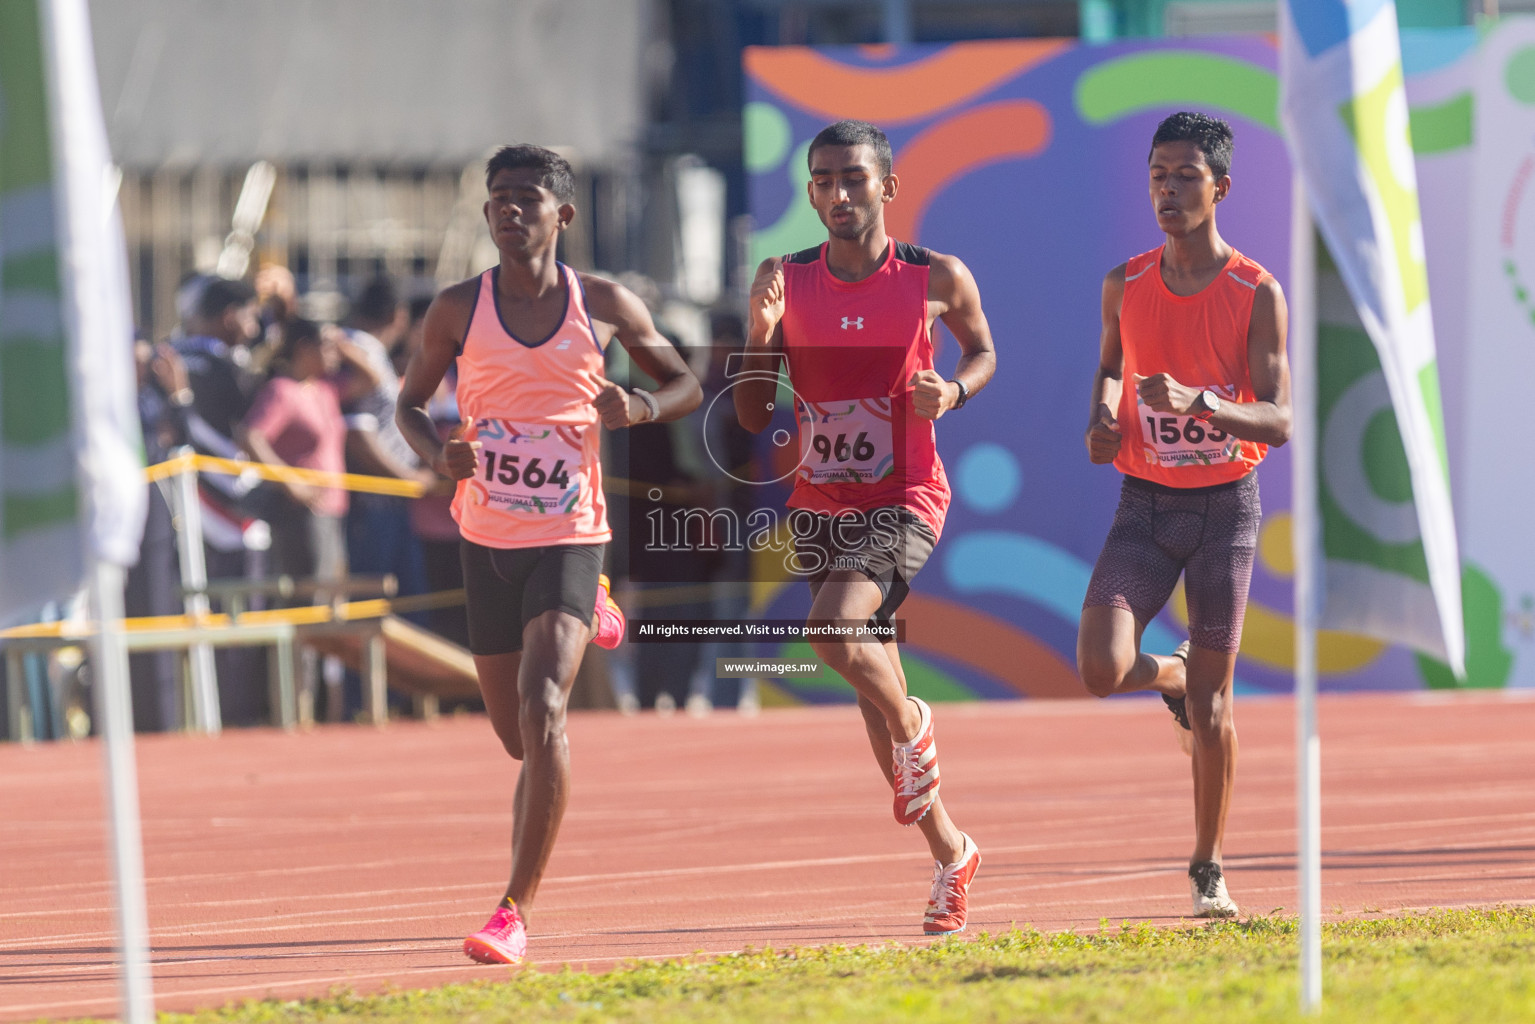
(848, 321)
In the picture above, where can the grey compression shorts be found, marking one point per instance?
(1207, 534)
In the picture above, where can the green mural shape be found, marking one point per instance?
(1369, 121)
(1488, 662)
(800, 227)
(923, 678)
(765, 136)
(1519, 75)
(1443, 127)
(1173, 78)
(1344, 355)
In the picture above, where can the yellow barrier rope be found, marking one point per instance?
(356, 481)
(285, 474)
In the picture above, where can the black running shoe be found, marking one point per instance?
(1179, 707)
(1207, 886)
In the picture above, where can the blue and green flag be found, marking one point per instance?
(1390, 563)
(71, 452)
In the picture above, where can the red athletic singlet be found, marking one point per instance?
(1201, 341)
(851, 347)
(539, 481)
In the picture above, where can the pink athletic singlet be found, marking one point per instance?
(539, 481)
(851, 348)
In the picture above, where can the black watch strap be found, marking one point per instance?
(964, 392)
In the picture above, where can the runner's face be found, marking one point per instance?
(846, 189)
(1184, 190)
(524, 216)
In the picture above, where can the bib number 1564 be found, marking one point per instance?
(504, 468)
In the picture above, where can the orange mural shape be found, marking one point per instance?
(820, 85)
(1006, 130)
(990, 645)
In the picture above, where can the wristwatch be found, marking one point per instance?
(964, 392)
(1211, 402)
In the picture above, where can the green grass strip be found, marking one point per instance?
(1457, 965)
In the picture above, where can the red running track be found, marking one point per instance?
(287, 865)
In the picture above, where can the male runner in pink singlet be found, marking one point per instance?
(851, 320)
(529, 336)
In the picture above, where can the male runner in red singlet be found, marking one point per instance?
(852, 321)
(529, 336)
(1199, 331)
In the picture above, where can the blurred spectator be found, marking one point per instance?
(220, 325)
(417, 322)
(277, 294)
(670, 579)
(431, 518)
(296, 422)
(730, 448)
(378, 530)
(153, 585)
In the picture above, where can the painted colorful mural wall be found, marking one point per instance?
(1027, 160)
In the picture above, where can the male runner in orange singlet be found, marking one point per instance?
(852, 321)
(529, 336)
(1198, 330)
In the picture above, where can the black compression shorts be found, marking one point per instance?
(507, 588)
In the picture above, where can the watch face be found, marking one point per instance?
(1212, 401)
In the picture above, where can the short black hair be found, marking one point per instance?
(554, 171)
(376, 300)
(296, 332)
(220, 293)
(853, 133)
(1210, 134)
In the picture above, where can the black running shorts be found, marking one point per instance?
(888, 545)
(1207, 534)
(507, 588)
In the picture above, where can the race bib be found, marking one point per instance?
(847, 442)
(532, 468)
(1172, 441)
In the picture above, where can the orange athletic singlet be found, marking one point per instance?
(539, 481)
(851, 347)
(1201, 341)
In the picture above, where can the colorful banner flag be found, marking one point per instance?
(71, 451)
(1391, 566)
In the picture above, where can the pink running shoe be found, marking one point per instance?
(503, 940)
(610, 618)
(950, 899)
(916, 770)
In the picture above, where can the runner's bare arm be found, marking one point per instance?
(952, 296)
(1103, 436)
(1267, 419)
(764, 344)
(679, 392)
(446, 321)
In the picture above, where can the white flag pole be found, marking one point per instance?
(98, 321)
(114, 717)
(1306, 538)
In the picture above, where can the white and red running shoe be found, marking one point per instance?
(916, 770)
(610, 618)
(950, 900)
(503, 940)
